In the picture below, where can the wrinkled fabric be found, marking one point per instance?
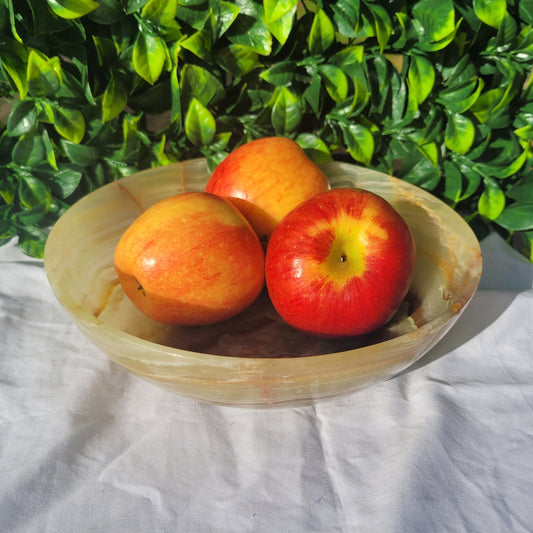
(447, 445)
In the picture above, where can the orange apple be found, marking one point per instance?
(190, 259)
(340, 264)
(265, 179)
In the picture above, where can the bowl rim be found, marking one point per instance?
(81, 315)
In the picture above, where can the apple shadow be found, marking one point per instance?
(483, 310)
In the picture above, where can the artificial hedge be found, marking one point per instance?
(437, 92)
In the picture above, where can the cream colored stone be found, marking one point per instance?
(256, 360)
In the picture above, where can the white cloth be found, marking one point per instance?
(445, 446)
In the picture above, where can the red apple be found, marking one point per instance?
(191, 259)
(265, 179)
(340, 264)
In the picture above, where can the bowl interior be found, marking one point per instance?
(256, 347)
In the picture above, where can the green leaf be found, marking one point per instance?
(322, 33)
(490, 12)
(460, 71)
(525, 132)
(216, 152)
(495, 101)
(281, 73)
(105, 49)
(225, 15)
(33, 247)
(200, 124)
(160, 11)
(5, 12)
(360, 97)
(430, 151)
(346, 17)
(383, 81)
(349, 56)
(401, 104)
(286, 113)
(8, 230)
(175, 109)
(162, 157)
(279, 17)
(80, 154)
(149, 56)
(237, 59)
(359, 142)
(453, 182)
(43, 75)
(199, 83)
(335, 81)
(32, 241)
(252, 33)
(383, 25)
(114, 99)
(402, 33)
(8, 190)
(200, 43)
(29, 150)
(132, 136)
(506, 34)
(472, 184)
(194, 13)
(492, 200)
(131, 139)
(523, 242)
(28, 217)
(72, 9)
(522, 190)
(108, 12)
(487, 103)
(421, 77)
(312, 94)
(315, 148)
(65, 181)
(516, 165)
(460, 98)
(526, 11)
(49, 148)
(516, 217)
(14, 61)
(33, 192)
(22, 119)
(418, 169)
(46, 111)
(434, 20)
(460, 133)
(69, 123)
(434, 123)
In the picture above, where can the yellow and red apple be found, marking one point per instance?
(190, 259)
(340, 264)
(265, 179)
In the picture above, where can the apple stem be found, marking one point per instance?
(344, 258)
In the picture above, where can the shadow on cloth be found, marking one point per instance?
(484, 309)
(505, 274)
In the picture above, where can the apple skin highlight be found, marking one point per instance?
(340, 264)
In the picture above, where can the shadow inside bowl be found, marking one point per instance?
(258, 331)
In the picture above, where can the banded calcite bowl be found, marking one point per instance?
(254, 359)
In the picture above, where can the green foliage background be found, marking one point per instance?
(437, 92)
